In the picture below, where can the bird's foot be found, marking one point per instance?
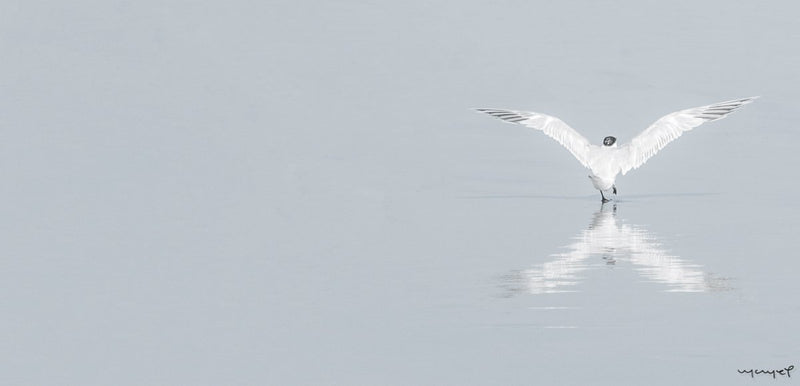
(605, 200)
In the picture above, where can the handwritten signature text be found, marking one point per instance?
(784, 371)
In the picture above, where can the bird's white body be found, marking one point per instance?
(604, 173)
(609, 160)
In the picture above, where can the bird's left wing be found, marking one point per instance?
(668, 128)
(555, 128)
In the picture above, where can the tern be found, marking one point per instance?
(607, 161)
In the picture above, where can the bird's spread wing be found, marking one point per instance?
(555, 128)
(670, 127)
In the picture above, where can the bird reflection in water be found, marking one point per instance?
(608, 243)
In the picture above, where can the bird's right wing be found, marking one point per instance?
(555, 128)
(670, 127)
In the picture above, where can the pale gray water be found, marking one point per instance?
(250, 193)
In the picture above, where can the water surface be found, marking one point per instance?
(297, 193)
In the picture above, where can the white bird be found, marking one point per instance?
(607, 161)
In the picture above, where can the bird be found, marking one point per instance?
(608, 160)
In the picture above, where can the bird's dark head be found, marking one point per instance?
(609, 141)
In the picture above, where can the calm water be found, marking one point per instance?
(285, 193)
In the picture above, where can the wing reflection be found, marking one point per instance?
(614, 243)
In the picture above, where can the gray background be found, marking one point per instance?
(249, 193)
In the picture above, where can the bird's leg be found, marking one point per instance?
(615, 189)
(605, 200)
